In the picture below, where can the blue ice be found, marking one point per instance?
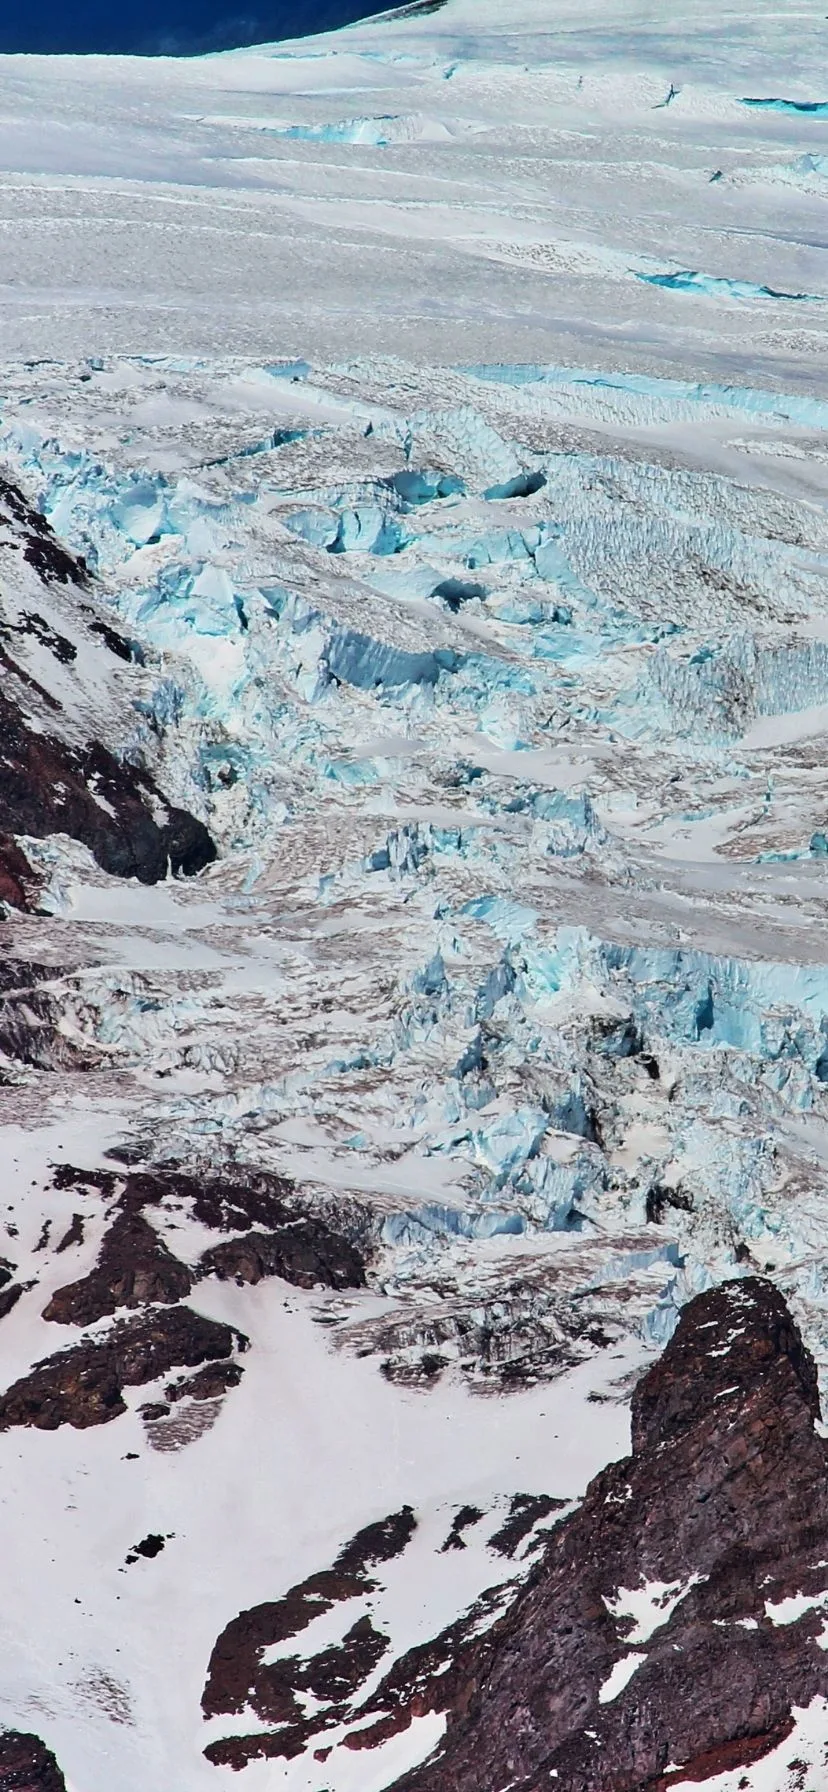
(422, 488)
(319, 528)
(371, 131)
(523, 485)
(686, 280)
(456, 592)
(289, 370)
(421, 1224)
(509, 920)
(721, 689)
(499, 982)
(506, 1143)
(809, 164)
(361, 661)
(541, 974)
(573, 822)
(809, 411)
(764, 1008)
(813, 108)
(205, 600)
(366, 529)
(488, 548)
(552, 565)
(140, 512)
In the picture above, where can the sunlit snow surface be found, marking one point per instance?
(429, 404)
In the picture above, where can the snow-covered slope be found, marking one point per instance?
(414, 446)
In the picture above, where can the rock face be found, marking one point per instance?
(307, 1253)
(19, 883)
(309, 1245)
(30, 1015)
(134, 1268)
(680, 1613)
(238, 1678)
(49, 786)
(68, 681)
(84, 1385)
(37, 541)
(27, 1765)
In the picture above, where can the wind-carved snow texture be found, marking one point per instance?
(489, 656)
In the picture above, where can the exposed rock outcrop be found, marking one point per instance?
(282, 1232)
(231, 1200)
(657, 1640)
(19, 882)
(209, 1383)
(134, 1268)
(279, 1230)
(238, 1676)
(40, 546)
(30, 1013)
(67, 688)
(9, 1298)
(50, 786)
(307, 1252)
(27, 1765)
(84, 1385)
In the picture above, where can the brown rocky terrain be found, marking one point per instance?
(84, 1385)
(286, 1233)
(237, 1677)
(27, 1765)
(307, 1252)
(50, 786)
(36, 540)
(718, 1517)
(664, 1630)
(134, 1268)
(307, 1245)
(19, 882)
(30, 1013)
(68, 686)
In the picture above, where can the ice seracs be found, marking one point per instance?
(445, 637)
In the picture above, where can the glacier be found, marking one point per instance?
(468, 544)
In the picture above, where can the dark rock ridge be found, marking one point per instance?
(285, 1233)
(209, 1383)
(19, 882)
(306, 1252)
(68, 685)
(37, 540)
(134, 1268)
(722, 1512)
(27, 1765)
(277, 1232)
(525, 1511)
(9, 1298)
(84, 1385)
(50, 786)
(427, 1674)
(238, 1676)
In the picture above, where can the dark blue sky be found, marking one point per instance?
(177, 27)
